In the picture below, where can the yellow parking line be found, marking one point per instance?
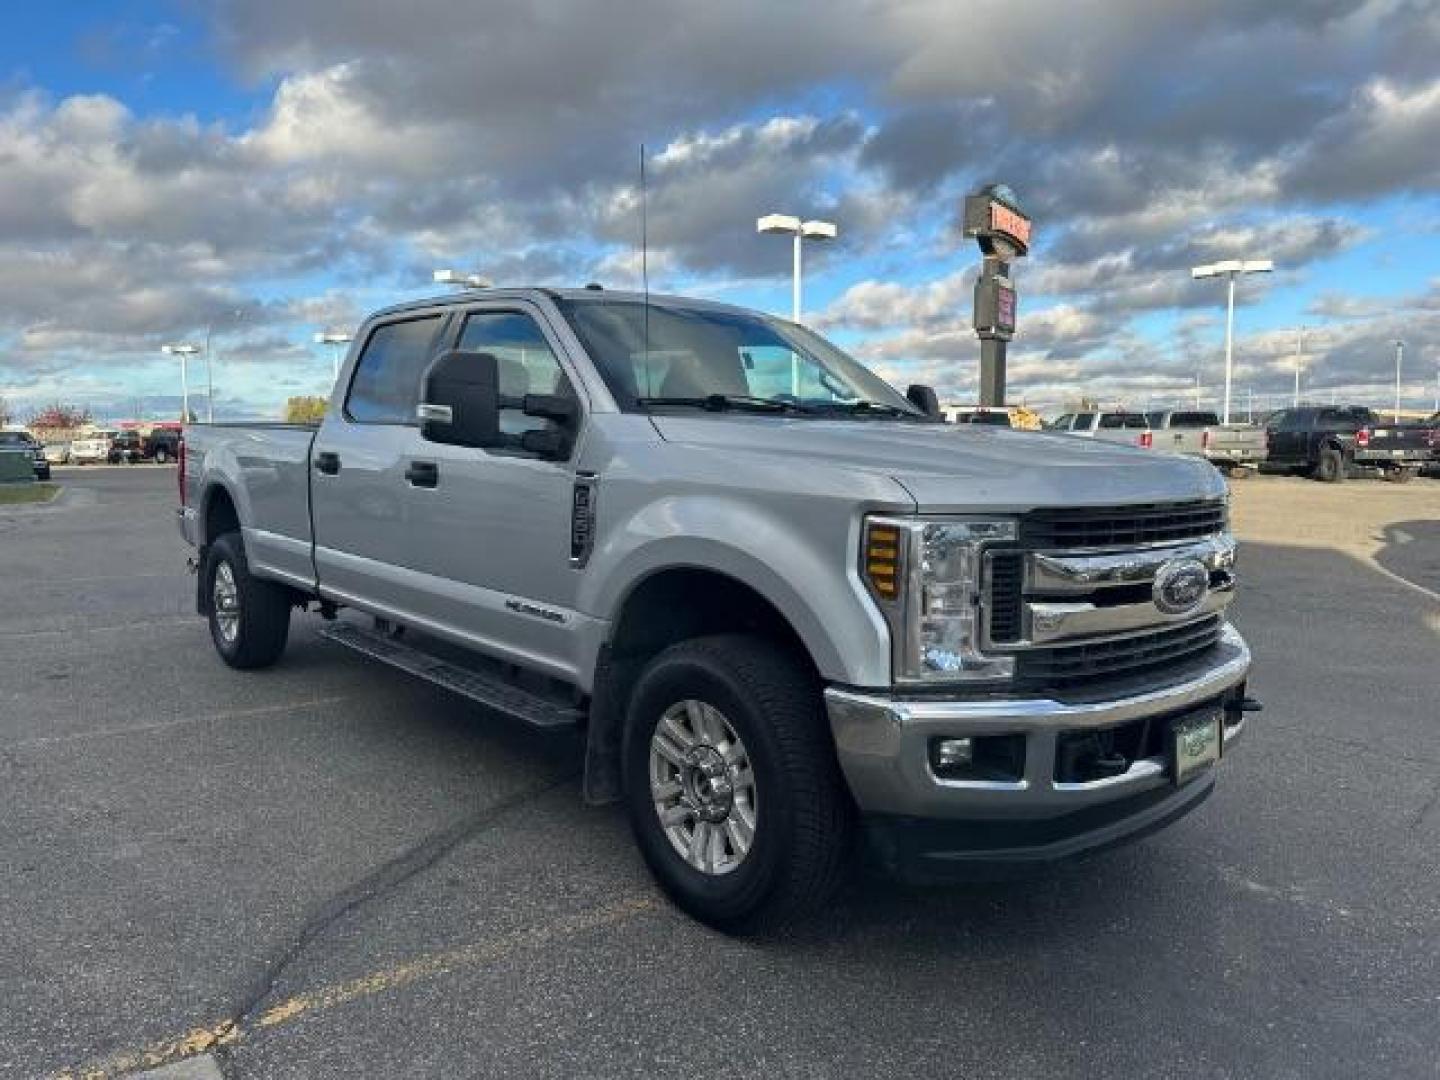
(401, 975)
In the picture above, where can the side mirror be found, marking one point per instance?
(460, 400)
(924, 398)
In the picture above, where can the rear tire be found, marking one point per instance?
(162, 456)
(1331, 467)
(739, 716)
(1400, 476)
(249, 618)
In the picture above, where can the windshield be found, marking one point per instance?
(715, 358)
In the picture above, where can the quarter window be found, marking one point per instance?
(386, 386)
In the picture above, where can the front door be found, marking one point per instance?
(490, 529)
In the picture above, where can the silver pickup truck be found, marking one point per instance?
(1238, 449)
(787, 605)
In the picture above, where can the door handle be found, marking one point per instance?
(424, 474)
(327, 463)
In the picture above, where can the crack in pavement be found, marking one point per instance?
(218, 1038)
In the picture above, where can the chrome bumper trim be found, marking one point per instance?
(1082, 622)
(883, 744)
(1049, 574)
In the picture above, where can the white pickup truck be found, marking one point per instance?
(788, 605)
(1238, 449)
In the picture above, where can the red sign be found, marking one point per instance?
(1007, 221)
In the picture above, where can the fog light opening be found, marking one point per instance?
(979, 757)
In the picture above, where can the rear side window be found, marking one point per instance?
(386, 386)
(1192, 419)
(1112, 421)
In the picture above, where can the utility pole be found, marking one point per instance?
(1299, 350)
(1399, 360)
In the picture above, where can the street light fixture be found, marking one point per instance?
(335, 338)
(1230, 270)
(184, 350)
(464, 279)
(800, 230)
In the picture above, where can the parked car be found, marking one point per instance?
(1236, 449)
(162, 445)
(990, 417)
(1118, 426)
(18, 439)
(1328, 441)
(1012, 416)
(125, 447)
(92, 448)
(57, 453)
(783, 619)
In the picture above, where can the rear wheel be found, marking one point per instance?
(731, 783)
(161, 455)
(1400, 476)
(1331, 467)
(249, 618)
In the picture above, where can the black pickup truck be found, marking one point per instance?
(1329, 441)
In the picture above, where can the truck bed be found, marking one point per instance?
(265, 469)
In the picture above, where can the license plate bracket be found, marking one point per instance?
(1195, 743)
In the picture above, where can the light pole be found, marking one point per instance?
(463, 278)
(335, 339)
(1299, 353)
(800, 230)
(1230, 270)
(184, 350)
(1399, 359)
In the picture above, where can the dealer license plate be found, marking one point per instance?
(1196, 744)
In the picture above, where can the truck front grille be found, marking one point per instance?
(1068, 666)
(1127, 526)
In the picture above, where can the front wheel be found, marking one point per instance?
(249, 618)
(731, 783)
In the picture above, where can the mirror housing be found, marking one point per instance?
(460, 400)
(924, 398)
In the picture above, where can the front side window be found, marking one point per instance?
(1062, 423)
(526, 363)
(386, 386)
(668, 352)
(1084, 421)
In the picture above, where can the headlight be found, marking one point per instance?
(925, 575)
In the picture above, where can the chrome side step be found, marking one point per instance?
(485, 689)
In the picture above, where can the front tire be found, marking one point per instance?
(731, 783)
(1331, 468)
(249, 618)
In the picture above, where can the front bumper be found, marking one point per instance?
(883, 746)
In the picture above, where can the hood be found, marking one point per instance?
(960, 468)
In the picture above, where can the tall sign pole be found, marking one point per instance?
(1002, 229)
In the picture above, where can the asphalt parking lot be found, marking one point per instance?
(330, 870)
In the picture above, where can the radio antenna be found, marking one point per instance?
(645, 261)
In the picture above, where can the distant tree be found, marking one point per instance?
(305, 410)
(61, 416)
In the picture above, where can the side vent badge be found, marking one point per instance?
(582, 519)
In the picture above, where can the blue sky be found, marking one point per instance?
(270, 169)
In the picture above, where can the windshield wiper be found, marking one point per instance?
(722, 402)
(872, 408)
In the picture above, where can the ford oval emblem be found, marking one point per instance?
(1180, 586)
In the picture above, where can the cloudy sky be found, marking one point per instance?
(274, 167)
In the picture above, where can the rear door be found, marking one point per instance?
(363, 543)
(1285, 434)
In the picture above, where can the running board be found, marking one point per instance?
(481, 688)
